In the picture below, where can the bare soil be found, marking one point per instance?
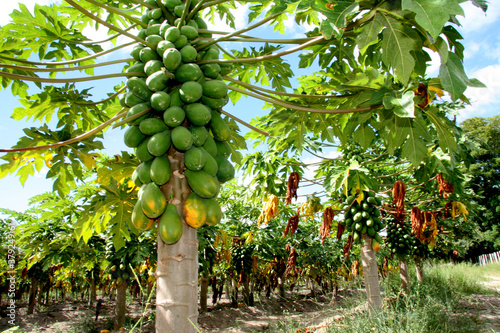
(267, 315)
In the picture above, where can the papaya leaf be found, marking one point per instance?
(453, 77)
(398, 40)
(432, 15)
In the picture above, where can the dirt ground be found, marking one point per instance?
(268, 315)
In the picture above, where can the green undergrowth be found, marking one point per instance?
(442, 303)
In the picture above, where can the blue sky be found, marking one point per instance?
(482, 61)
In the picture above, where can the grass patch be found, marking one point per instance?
(442, 303)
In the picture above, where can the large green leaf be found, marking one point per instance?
(453, 77)
(398, 42)
(433, 14)
(444, 129)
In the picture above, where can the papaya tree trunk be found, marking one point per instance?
(281, 287)
(177, 270)
(227, 294)
(40, 294)
(120, 306)
(419, 267)
(93, 292)
(32, 296)
(204, 293)
(403, 273)
(370, 271)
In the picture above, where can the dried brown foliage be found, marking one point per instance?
(416, 222)
(355, 268)
(445, 188)
(292, 262)
(398, 199)
(293, 185)
(348, 247)
(340, 230)
(292, 225)
(324, 230)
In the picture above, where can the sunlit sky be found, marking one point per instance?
(482, 61)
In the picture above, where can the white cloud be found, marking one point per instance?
(240, 20)
(483, 100)
(476, 20)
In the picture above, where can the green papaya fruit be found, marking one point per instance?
(225, 170)
(210, 146)
(223, 148)
(133, 136)
(142, 151)
(159, 143)
(190, 92)
(152, 66)
(174, 116)
(143, 172)
(160, 170)
(153, 201)
(170, 225)
(210, 166)
(188, 54)
(198, 114)
(220, 128)
(160, 101)
(202, 183)
(214, 89)
(172, 59)
(188, 72)
(182, 139)
(151, 126)
(194, 159)
(139, 219)
(200, 134)
(139, 88)
(214, 211)
(157, 81)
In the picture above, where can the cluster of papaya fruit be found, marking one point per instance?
(363, 217)
(175, 105)
(120, 273)
(353, 151)
(399, 239)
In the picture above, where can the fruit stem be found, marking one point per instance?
(118, 12)
(170, 18)
(184, 14)
(245, 123)
(194, 10)
(251, 86)
(65, 69)
(60, 63)
(70, 80)
(264, 57)
(135, 116)
(104, 100)
(77, 138)
(238, 32)
(106, 24)
(302, 108)
(211, 3)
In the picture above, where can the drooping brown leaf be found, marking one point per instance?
(398, 199)
(292, 225)
(416, 222)
(355, 268)
(445, 188)
(348, 247)
(291, 263)
(293, 185)
(423, 93)
(324, 230)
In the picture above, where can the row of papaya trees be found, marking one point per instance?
(386, 151)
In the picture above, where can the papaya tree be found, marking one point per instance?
(177, 86)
